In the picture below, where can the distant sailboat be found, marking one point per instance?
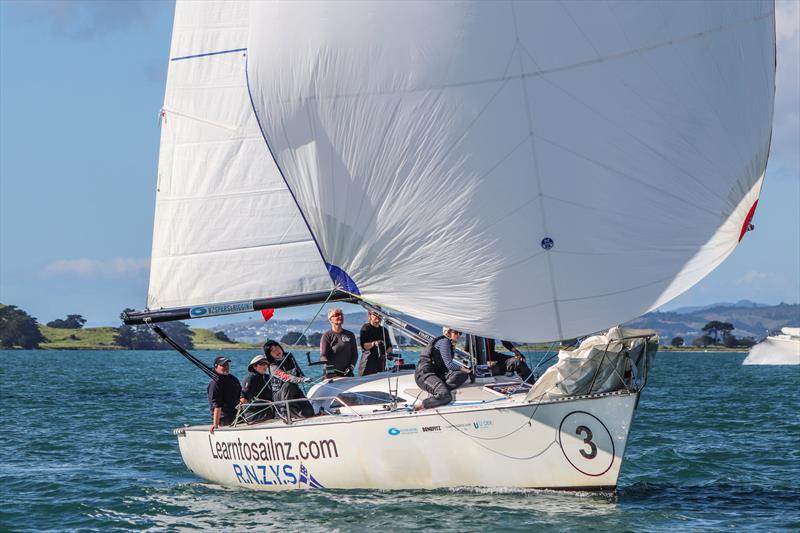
(516, 170)
(781, 349)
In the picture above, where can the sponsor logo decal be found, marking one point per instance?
(271, 450)
(221, 309)
(426, 429)
(401, 431)
(481, 424)
(276, 454)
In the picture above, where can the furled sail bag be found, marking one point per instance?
(602, 363)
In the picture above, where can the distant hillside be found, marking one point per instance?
(103, 339)
(753, 321)
(741, 303)
(749, 318)
(79, 339)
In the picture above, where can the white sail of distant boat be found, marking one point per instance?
(518, 170)
(780, 349)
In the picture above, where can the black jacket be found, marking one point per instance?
(256, 387)
(224, 392)
(430, 360)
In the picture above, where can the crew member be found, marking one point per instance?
(256, 388)
(223, 394)
(501, 363)
(437, 372)
(374, 340)
(338, 348)
(285, 380)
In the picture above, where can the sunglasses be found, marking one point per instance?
(336, 314)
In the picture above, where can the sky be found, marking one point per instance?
(81, 86)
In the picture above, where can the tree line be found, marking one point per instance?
(20, 330)
(716, 333)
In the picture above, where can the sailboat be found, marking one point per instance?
(517, 170)
(780, 349)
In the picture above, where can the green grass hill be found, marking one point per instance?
(103, 339)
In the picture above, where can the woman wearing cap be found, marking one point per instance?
(286, 377)
(256, 388)
(437, 372)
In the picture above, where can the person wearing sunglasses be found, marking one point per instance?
(338, 347)
(438, 372)
(223, 394)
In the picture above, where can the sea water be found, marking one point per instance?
(87, 445)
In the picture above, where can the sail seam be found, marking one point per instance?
(540, 72)
(236, 249)
(221, 195)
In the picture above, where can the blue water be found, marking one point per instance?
(87, 445)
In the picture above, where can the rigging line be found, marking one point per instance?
(268, 383)
(533, 411)
(477, 439)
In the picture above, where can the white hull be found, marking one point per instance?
(775, 350)
(575, 443)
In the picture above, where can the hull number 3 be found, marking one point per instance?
(587, 433)
(586, 443)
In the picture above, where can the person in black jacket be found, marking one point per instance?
(438, 372)
(286, 379)
(256, 388)
(224, 392)
(375, 342)
(502, 363)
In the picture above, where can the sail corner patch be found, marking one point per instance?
(342, 279)
(748, 220)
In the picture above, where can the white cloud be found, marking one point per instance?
(768, 279)
(91, 267)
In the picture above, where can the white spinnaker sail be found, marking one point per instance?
(531, 170)
(226, 227)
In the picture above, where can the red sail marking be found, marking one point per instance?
(267, 314)
(747, 220)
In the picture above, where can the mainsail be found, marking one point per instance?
(524, 170)
(226, 227)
